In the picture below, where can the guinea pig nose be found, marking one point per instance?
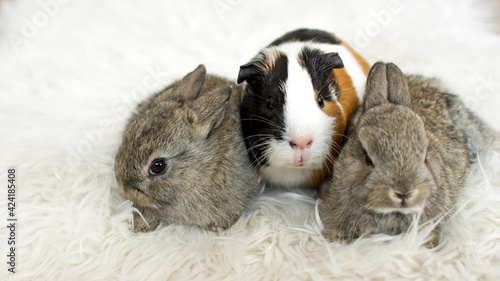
(301, 143)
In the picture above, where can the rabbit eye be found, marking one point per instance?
(321, 101)
(368, 160)
(157, 167)
(270, 103)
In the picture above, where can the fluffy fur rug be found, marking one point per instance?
(71, 73)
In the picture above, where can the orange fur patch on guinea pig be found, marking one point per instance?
(268, 59)
(341, 109)
(300, 92)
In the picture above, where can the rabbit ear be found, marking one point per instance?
(189, 88)
(386, 83)
(376, 86)
(210, 108)
(397, 86)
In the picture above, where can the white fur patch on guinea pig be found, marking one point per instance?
(295, 112)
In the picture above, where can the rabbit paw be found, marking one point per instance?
(433, 241)
(144, 223)
(215, 228)
(335, 236)
(221, 226)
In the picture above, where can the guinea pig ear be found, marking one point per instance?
(318, 63)
(330, 61)
(189, 88)
(376, 86)
(248, 72)
(210, 109)
(397, 86)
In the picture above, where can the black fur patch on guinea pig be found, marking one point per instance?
(319, 66)
(304, 34)
(262, 109)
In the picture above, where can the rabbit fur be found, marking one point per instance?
(407, 154)
(193, 127)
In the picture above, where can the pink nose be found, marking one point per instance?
(301, 143)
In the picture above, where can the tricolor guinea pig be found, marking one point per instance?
(300, 92)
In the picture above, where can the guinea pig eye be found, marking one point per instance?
(321, 101)
(270, 103)
(157, 167)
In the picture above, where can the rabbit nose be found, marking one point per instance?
(400, 195)
(403, 195)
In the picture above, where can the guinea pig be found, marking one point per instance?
(182, 158)
(300, 92)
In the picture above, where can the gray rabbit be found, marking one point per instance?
(407, 152)
(183, 159)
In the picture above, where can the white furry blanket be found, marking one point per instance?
(71, 72)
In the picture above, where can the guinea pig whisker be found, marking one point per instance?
(264, 137)
(324, 86)
(346, 89)
(260, 135)
(332, 95)
(329, 159)
(344, 136)
(263, 143)
(255, 156)
(274, 126)
(258, 160)
(336, 146)
(255, 146)
(267, 121)
(263, 120)
(260, 142)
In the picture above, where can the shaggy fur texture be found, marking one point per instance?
(71, 75)
(404, 156)
(192, 129)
